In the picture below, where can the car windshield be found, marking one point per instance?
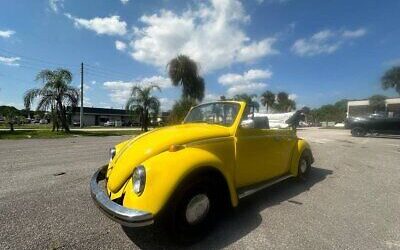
(214, 113)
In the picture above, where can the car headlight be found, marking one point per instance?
(113, 151)
(139, 179)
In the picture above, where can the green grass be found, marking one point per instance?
(28, 126)
(48, 134)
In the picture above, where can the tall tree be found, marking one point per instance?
(391, 79)
(283, 103)
(56, 94)
(267, 99)
(10, 114)
(377, 103)
(143, 103)
(184, 72)
(180, 110)
(248, 99)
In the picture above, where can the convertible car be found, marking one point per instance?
(184, 175)
(375, 123)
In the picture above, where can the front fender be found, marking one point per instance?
(298, 150)
(164, 172)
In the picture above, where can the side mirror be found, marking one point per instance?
(249, 123)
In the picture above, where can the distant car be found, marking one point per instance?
(109, 124)
(376, 123)
(76, 124)
(339, 125)
(43, 121)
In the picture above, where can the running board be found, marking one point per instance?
(246, 191)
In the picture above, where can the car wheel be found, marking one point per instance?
(193, 211)
(304, 167)
(358, 132)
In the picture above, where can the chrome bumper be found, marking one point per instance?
(122, 215)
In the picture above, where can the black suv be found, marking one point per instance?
(375, 123)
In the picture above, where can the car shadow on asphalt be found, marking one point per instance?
(238, 222)
(383, 136)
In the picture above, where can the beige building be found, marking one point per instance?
(360, 108)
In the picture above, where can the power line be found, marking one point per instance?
(107, 70)
(28, 58)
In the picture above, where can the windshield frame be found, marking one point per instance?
(239, 107)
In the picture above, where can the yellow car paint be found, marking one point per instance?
(242, 156)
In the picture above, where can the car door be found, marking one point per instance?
(393, 125)
(261, 154)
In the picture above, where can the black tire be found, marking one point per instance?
(358, 132)
(304, 167)
(178, 224)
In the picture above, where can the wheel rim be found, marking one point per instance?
(303, 166)
(197, 208)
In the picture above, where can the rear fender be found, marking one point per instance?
(300, 147)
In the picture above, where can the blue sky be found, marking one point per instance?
(318, 51)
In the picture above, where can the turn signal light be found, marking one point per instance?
(174, 148)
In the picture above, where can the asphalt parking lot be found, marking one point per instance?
(351, 200)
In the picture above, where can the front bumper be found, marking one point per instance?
(122, 215)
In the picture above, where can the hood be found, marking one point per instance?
(153, 143)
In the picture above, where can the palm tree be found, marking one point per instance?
(377, 103)
(184, 71)
(283, 103)
(291, 105)
(248, 99)
(180, 110)
(56, 94)
(143, 103)
(267, 99)
(391, 79)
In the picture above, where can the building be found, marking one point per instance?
(98, 116)
(360, 108)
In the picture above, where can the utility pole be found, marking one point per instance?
(81, 111)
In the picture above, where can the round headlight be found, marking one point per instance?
(139, 179)
(113, 151)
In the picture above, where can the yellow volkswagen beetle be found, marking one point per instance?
(185, 174)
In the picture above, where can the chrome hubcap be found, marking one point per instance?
(303, 166)
(197, 209)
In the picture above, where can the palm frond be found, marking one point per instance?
(29, 96)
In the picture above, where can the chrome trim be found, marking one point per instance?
(255, 188)
(122, 215)
(140, 171)
(197, 209)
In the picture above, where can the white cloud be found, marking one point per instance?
(250, 88)
(93, 82)
(10, 61)
(86, 87)
(210, 97)
(251, 75)
(166, 103)
(354, 33)
(86, 102)
(210, 33)
(124, 2)
(102, 26)
(325, 42)
(6, 33)
(119, 45)
(293, 96)
(120, 90)
(55, 5)
(248, 82)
